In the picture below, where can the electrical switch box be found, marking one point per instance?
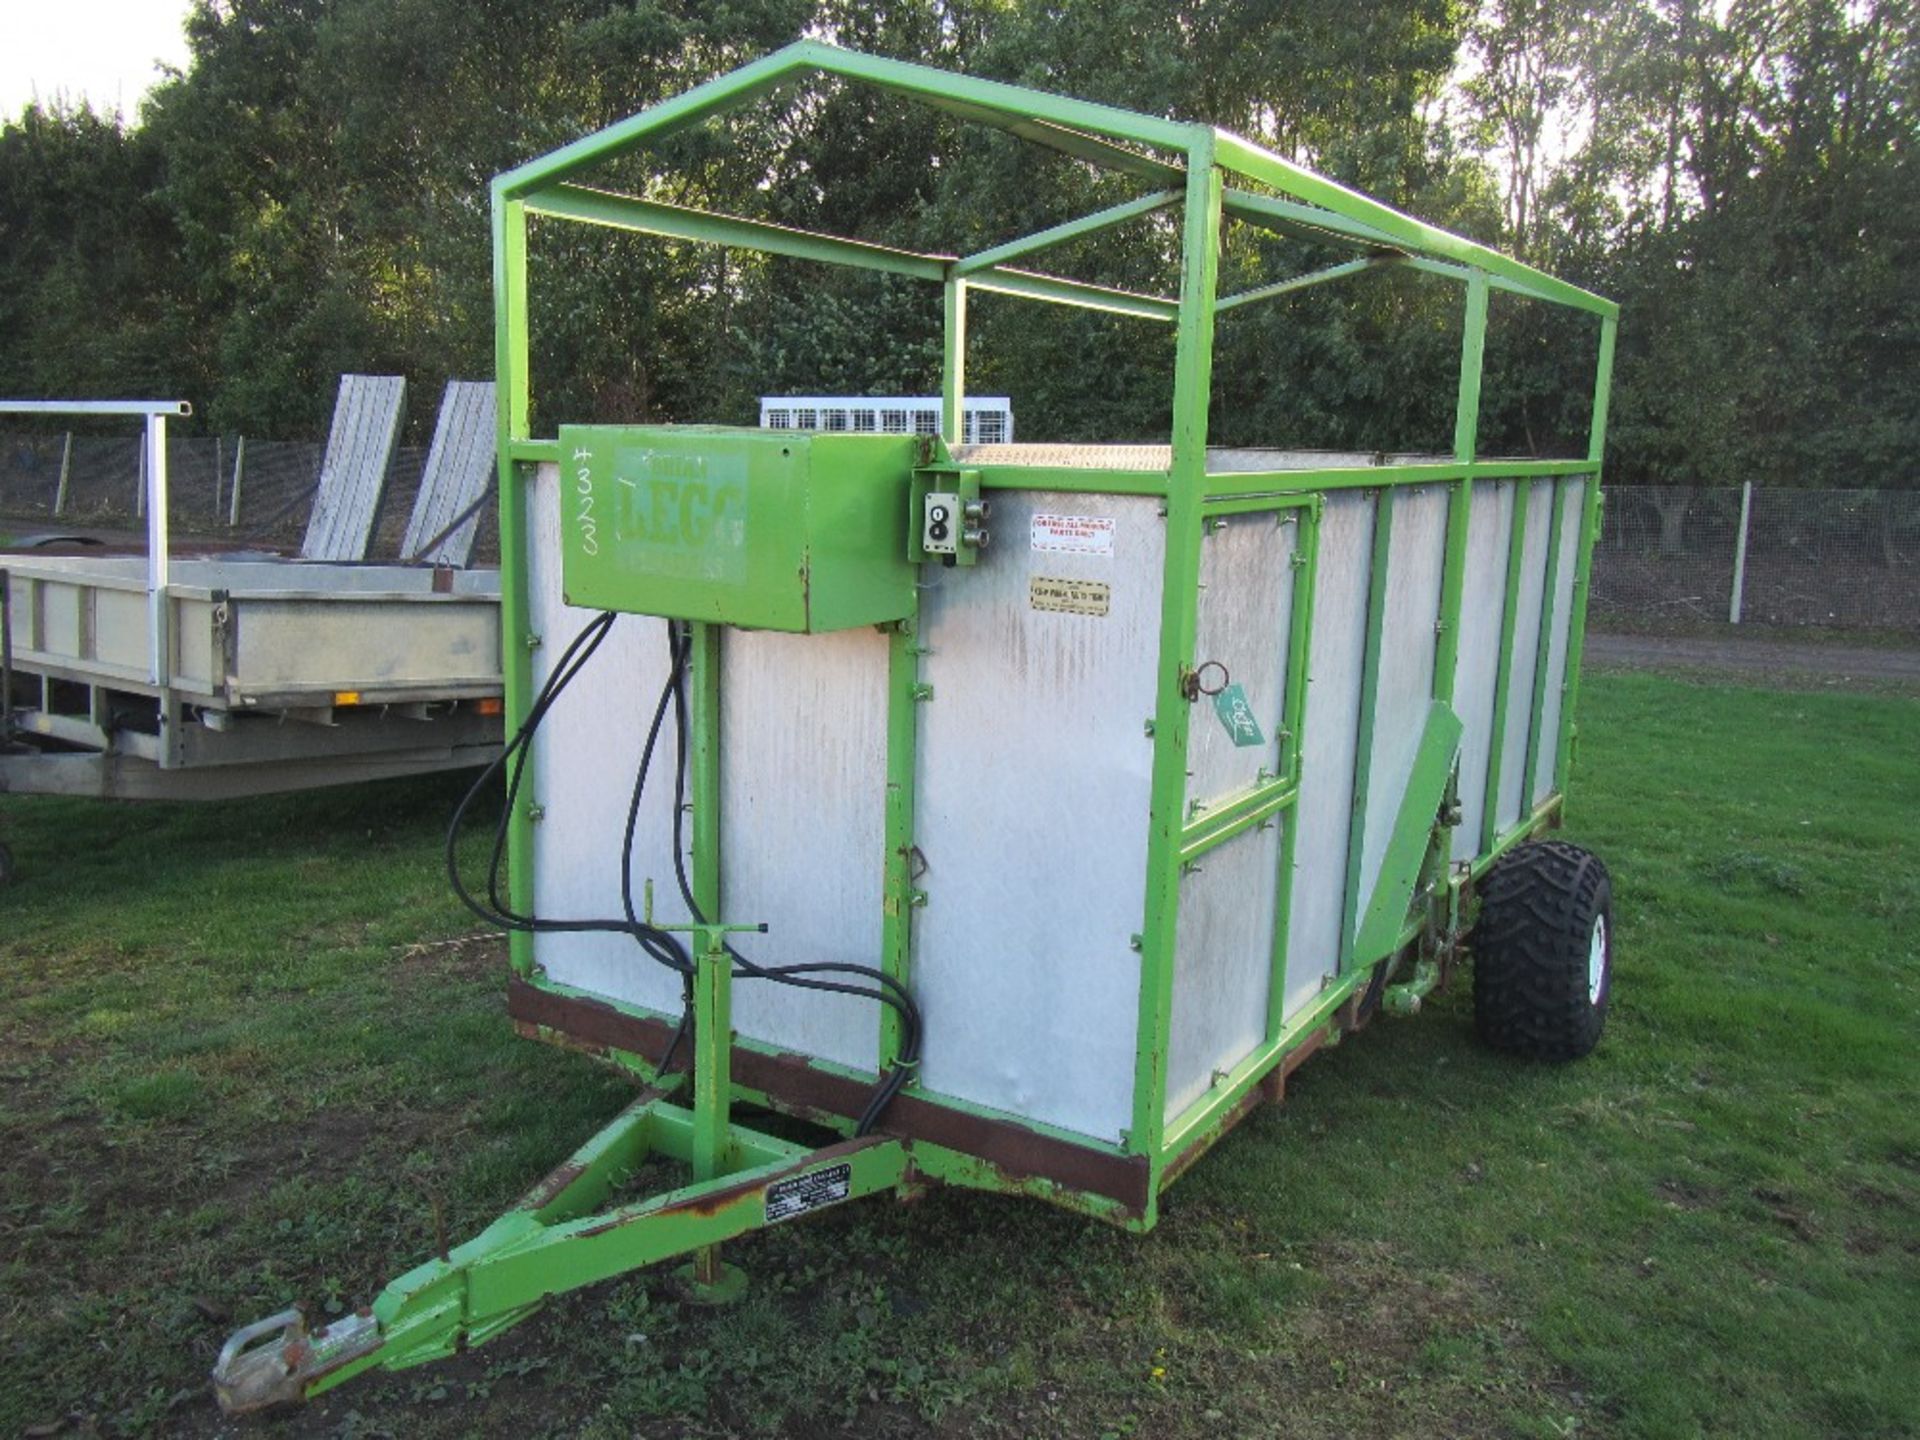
(940, 533)
(765, 529)
(952, 525)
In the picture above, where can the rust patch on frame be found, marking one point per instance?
(717, 1201)
(556, 1184)
(794, 1084)
(1270, 1088)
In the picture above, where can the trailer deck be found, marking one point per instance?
(282, 675)
(168, 676)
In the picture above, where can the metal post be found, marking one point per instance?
(1466, 431)
(1740, 554)
(953, 382)
(1179, 611)
(517, 638)
(219, 472)
(239, 469)
(712, 1077)
(708, 1279)
(66, 470)
(1590, 518)
(896, 924)
(156, 464)
(140, 478)
(6, 658)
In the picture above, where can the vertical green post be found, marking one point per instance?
(516, 630)
(896, 924)
(1369, 702)
(1299, 667)
(1544, 647)
(1503, 670)
(709, 1279)
(1179, 606)
(1589, 537)
(1466, 429)
(1306, 572)
(953, 377)
(703, 757)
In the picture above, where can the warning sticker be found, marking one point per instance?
(1074, 534)
(1070, 597)
(788, 1198)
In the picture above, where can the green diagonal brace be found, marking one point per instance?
(1386, 913)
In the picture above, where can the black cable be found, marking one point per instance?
(495, 910)
(894, 994)
(658, 944)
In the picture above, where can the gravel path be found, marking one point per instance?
(1837, 662)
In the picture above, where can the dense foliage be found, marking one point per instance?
(310, 196)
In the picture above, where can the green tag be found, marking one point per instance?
(1236, 715)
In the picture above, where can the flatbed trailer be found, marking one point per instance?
(162, 677)
(282, 675)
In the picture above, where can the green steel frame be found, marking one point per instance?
(555, 1240)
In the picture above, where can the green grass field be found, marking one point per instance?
(245, 1052)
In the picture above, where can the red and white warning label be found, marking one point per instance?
(1074, 534)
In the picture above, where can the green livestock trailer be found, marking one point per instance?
(1020, 815)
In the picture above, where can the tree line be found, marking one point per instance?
(310, 196)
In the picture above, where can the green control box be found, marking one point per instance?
(768, 529)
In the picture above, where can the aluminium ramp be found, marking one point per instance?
(353, 475)
(446, 513)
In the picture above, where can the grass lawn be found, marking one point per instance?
(245, 1052)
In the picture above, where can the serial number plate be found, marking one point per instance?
(815, 1189)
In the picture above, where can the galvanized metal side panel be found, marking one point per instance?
(1416, 560)
(1246, 602)
(60, 617)
(803, 790)
(1330, 741)
(22, 598)
(1223, 963)
(1547, 742)
(294, 629)
(412, 644)
(1032, 815)
(118, 637)
(353, 474)
(460, 467)
(1483, 599)
(1526, 643)
(585, 755)
(195, 665)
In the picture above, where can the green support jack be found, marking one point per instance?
(707, 1279)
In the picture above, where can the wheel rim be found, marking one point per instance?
(1597, 960)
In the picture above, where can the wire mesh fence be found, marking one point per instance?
(220, 489)
(1667, 555)
(1848, 559)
